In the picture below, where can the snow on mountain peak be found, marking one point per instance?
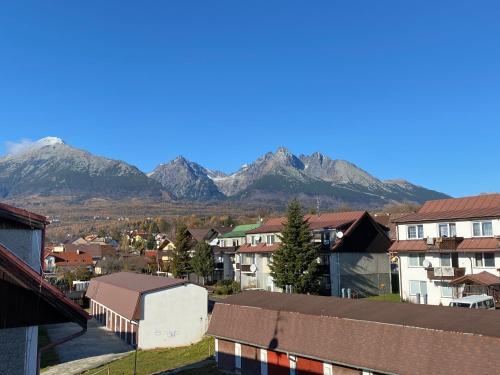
(26, 145)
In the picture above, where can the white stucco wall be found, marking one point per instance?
(433, 286)
(464, 228)
(173, 317)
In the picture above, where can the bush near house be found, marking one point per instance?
(226, 287)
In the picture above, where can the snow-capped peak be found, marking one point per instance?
(48, 141)
(27, 145)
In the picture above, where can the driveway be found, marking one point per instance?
(96, 347)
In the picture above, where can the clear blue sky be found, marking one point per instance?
(403, 89)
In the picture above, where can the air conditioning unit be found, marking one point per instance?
(430, 240)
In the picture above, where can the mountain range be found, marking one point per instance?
(49, 167)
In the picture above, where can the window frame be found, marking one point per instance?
(442, 287)
(448, 229)
(419, 256)
(441, 260)
(417, 231)
(483, 259)
(420, 282)
(481, 229)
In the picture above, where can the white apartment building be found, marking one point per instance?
(448, 249)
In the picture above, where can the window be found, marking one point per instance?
(418, 287)
(270, 239)
(446, 260)
(446, 291)
(253, 240)
(416, 260)
(222, 243)
(447, 230)
(415, 231)
(482, 229)
(485, 260)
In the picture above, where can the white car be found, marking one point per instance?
(474, 302)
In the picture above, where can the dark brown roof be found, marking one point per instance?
(259, 248)
(482, 278)
(383, 337)
(71, 259)
(121, 291)
(95, 250)
(22, 216)
(13, 270)
(465, 245)
(325, 220)
(480, 206)
(201, 234)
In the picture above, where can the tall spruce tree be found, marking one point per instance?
(203, 263)
(181, 265)
(295, 261)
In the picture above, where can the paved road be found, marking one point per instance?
(96, 347)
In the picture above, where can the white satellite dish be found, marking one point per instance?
(340, 234)
(253, 268)
(426, 263)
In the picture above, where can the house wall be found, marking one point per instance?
(18, 354)
(364, 273)
(25, 243)
(173, 317)
(464, 228)
(124, 328)
(434, 287)
(261, 279)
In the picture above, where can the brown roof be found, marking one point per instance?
(14, 270)
(482, 278)
(456, 208)
(23, 216)
(465, 245)
(94, 249)
(121, 291)
(259, 248)
(383, 337)
(200, 234)
(71, 259)
(325, 220)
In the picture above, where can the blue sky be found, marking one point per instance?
(403, 89)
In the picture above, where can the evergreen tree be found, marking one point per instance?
(203, 263)
(151, 242)
(181, 260)
(295, 261)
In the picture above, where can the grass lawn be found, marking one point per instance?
(207, 370)
(392, 297)
(49, 357)
(152, 361)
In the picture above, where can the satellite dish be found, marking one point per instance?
(253, 268)
(340, 234)
(426, 263)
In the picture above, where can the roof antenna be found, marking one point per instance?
(317, 207)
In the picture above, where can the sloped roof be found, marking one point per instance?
(480, 206)
(465, 245)
(240, 230)
(22, 216)
(71, 259)
(482, 278)
(324, 220)
(200, 234)
(121, 291)
(379, 336)
(259, 248)
(94, 249)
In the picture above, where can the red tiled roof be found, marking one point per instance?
(121, 291)
(482, 278)
(29, 279)
(479, 244)
(467, 244)
(409, 245)
(71, 259)
(259, 248)
(94, 249)
(456, 208)
(325, 220)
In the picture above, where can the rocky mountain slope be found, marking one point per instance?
(49, 167)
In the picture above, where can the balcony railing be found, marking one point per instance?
(447, 243)
(445, 273)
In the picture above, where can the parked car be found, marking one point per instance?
(474, 302)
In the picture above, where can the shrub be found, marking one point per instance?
(226, 287)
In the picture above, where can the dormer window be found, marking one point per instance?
(482, 229)
(447, 230)
(415, 231)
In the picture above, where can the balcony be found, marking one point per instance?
(247, 268)
(444, 273)
(447, 243)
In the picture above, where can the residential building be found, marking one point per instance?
(444, 241)
(149, 311)
(353, 254)
(96, 251)
(27, 299)
(225, 251)
(54, 262)
(294, 334)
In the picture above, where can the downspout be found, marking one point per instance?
(400, 281)
(54, 344)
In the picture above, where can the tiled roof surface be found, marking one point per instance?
(259, 248)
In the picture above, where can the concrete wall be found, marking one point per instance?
(364, 273)
(25, 243)
(173, 317)
(18, 354)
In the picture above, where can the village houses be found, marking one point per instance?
(449, 249)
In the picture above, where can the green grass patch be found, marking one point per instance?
(210, 369)
(153, 361)
(49, 357)
(391, 297)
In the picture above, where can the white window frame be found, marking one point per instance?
(420, 263)
(448, 229)
(480, 223)
(270, 239)
(442, 287)
(417, 234)
(483, 260)
(327, 369)
(441, 260)
(420, 282)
